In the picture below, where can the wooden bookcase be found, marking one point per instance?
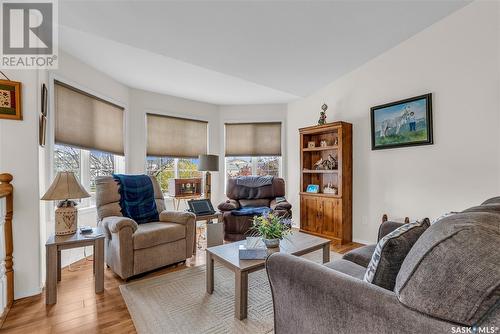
(327, 215)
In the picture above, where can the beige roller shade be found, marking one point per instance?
(253, 139)
(85, 121)
(176, 137)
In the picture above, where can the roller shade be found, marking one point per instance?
(176, 137)
(253, 139)
(85, 121)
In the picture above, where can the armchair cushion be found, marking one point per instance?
(390, 253)
(280, 203)
(347, 267)
(114, 224)
(179, 217)
(361, 256)
(259, 202)
(156, 233)
(229, 205)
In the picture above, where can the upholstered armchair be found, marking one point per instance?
(132, 248)
(247, 192)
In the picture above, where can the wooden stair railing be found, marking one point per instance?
(6, 190)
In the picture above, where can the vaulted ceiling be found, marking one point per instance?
(238, 52)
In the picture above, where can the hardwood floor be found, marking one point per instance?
(80, 310)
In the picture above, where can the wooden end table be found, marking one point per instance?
(53, 248)
(297, 244)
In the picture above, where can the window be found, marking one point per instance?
(253, 149)
(245, 166)
(165, 169)
(172, 144)
(87, 166)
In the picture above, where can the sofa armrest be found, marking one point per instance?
(114, 224)
(280, 203)
(188, 219)
(229, 205)
(311, 298)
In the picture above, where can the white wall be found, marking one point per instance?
(19, 157)
(456, 59)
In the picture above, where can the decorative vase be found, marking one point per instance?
(271, 243)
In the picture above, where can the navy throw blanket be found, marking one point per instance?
(251, 211)
(137, 198)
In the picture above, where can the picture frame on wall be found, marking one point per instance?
(10, 100)
(44, 105)
(402, 123)
(42, 130)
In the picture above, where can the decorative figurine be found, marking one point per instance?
(311, 144)
(329, 164)
(322, 115)
(323, 143)
(336, 141)
(330, 189)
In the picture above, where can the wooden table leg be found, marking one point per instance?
(210, 273)
(241, 295)
(99, 265)
(58, 265)
(51, 274)
(326, 253)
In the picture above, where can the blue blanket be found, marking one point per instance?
(137, 198)
(251, 211)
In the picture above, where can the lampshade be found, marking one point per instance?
(208, 162)
(65, 186)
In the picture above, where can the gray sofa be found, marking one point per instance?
(132, 248)
(449, 281)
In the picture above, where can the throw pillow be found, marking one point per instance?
(390, 253)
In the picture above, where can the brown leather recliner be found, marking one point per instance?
(250, 194)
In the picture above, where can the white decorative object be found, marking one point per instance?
(330, 189)
(323, 143)
(253, 250)
(311, 144)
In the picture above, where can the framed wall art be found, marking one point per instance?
(402, 123)
(10, 100)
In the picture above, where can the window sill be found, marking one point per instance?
(87, 209)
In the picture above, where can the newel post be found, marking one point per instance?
(6, 190)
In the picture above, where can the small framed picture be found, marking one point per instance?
(43, 108)
(312, 188)
(10, 100)
(311, 144)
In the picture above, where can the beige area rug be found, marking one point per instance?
(177, 302)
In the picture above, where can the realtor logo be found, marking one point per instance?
(29, 36)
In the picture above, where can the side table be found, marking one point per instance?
(53, 248)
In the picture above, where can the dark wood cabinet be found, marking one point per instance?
(326, 214)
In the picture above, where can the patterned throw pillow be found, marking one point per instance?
(390, 253)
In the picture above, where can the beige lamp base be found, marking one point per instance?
(66, 220)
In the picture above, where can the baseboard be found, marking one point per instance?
(31, 293)
(364, 242)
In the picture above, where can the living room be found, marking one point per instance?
(361, 131)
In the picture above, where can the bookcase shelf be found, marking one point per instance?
(328, 215)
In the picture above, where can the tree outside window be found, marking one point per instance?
(166, 168)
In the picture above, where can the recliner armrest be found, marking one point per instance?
(115, 224)
(229, 205)
(280, 204)
(179, 217)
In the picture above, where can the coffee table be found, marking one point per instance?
(297, 243)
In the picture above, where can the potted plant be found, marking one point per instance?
(271, 228)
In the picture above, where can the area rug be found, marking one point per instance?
(177, 302)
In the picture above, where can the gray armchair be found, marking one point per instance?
(449, 280)
(132, 248)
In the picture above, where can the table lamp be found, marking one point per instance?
(65, 187)
(208, 163)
